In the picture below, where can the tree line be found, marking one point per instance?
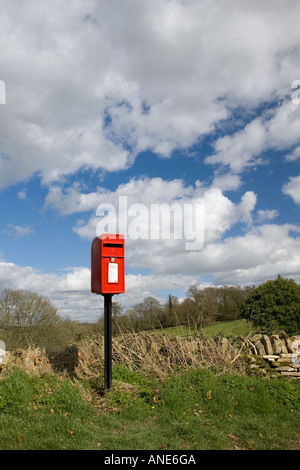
(30, 320)
(201, 307)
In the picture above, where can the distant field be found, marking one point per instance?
(230, 328)
(234, 328)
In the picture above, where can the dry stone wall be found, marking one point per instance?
(275, 355)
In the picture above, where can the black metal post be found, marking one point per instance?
(107, 341)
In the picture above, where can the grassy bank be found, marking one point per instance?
(192, 409)
(170, 392)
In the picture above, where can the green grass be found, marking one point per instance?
(230, 328)
(194, 409)
(42, 413)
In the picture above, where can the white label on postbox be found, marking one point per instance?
(112, 272)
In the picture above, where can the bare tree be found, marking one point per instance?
(205, 307)
(116, 309)
(148, 312)
(25, 317)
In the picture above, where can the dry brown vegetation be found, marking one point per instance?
(153, 354)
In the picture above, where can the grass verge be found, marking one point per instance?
(194, 409)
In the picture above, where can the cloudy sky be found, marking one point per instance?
(187, 102)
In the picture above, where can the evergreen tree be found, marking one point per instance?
(275, 305)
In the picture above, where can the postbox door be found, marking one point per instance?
(112, 278)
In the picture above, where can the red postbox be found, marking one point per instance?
(108, 264)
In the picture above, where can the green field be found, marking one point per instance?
(230, 328)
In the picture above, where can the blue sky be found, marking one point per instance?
(164, 102)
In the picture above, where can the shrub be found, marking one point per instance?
(275, 305)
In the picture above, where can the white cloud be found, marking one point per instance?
(277, 129)
(248, 259)
(22, 194)
(261, 254)
(18, 231)
(266, 215)
(292, 188)
(70, 292)
(294, 155)
(227, 181)
(91, 84)
(246, 207)
(220, 213)
(107, 81)
(72, 200)
(242, 149)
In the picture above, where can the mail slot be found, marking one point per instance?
(108, 264)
